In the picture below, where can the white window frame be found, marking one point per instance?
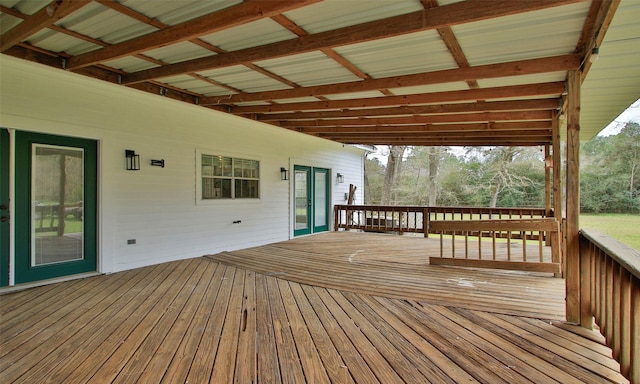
(234, 156)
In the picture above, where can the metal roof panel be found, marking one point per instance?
(542, 33)
(400, 55)
(253, 34)
(175, 53)
(309, 69)
(243, 78)
(333, 14)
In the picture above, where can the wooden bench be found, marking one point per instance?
(509, 229)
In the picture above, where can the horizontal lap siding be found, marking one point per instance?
(157, 206)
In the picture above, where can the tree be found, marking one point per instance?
(394, 168)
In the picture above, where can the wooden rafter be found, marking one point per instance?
(417, 128)
(451, 118)
(526, 67)
(530, 90)
(446, 15)
(493, 106)
(45, 17)
(250, 10)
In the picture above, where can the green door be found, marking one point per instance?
(56, 209)
(320, 200)
(4, 207)
(312, 199)
(302, 200)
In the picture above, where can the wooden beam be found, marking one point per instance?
(557, 185)
(446, 15)
(497, 264)
(529, 90)
(573, 199)
(452, 118)
(517, 68)
(493, 106)
(431, 135)
(245, 12)
(45, 17)
(446, 142)
(417, 128)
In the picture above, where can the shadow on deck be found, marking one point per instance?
(336, 307)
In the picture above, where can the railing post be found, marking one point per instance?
(586, 258)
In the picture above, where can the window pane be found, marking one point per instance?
(223, 188)
(207, 165)
(227, 166)
(246, 189)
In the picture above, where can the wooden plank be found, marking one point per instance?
(529, 266)
(159, 349)
(290, 367)
(446, 342)
(76, 329)
(534, 369)
(225, 363)
(577, 354)
(550, 225)
(520, 338)
(402, 366)
(246, 362)
(268, 364)
(148, 329)
(354, 362)
(331, 359)
(204, 361)
(312, 366)
(185, 353)
(432, 363)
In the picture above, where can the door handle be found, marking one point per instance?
(3, 207)
(4, 218)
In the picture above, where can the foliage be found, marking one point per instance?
(512, 176)
(609, 172)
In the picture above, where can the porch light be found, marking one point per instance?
(548, 162)
(133, 160)
(284, 173)
(594, 54)
(340, 178)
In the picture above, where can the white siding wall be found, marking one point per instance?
(157, 206)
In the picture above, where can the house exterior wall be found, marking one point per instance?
(157, 206)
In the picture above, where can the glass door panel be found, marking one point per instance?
(320, 200)
(57, 198)
(302, 188)
(5, 215)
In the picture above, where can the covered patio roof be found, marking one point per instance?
(412, 72)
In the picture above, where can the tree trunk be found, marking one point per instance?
(394, 166)
(434, 164)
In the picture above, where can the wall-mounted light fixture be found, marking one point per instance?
(133, 160)
(340, 178)
(158, 163)
(595, 52)
(548, 162)
(284, 173)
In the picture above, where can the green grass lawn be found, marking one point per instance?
(625, 228)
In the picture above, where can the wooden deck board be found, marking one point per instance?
(202, 321)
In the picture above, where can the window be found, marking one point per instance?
(229, 178)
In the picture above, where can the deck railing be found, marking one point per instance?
(406, 218)
(611, 294)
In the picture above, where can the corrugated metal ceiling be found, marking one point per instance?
(302, 58)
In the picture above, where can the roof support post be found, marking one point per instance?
(557, 187)
(574, 279)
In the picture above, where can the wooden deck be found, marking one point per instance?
(330, 308)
